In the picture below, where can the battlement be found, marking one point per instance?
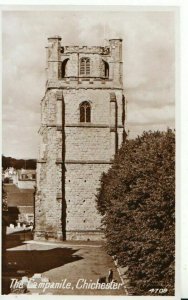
(86, 49)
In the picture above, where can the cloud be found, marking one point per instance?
(148, 56)
(150, 115)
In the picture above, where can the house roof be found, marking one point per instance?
(27, 191)
(26, 209)
(10, 188)
(19, 197)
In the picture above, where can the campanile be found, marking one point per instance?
(82, 127)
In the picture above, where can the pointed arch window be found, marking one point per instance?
(64, 67)
(85, 66)
(85, 112)
(105, 69)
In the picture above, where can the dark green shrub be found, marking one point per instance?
(137, 201)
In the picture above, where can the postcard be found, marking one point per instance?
(89, 139)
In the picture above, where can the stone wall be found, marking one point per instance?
(48, 208)
(82, 181)
(26, 184)
(98, 99)
(72, 154)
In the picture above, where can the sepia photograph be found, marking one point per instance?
(88, 150)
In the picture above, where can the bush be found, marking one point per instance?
(137, 201)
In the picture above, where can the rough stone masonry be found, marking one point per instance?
(82, 127)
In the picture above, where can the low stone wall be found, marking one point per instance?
(85, 235)
(70, 236)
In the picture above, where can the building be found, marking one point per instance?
(82, 127)
(23, 178)
(10, 175)
(20, 204)
(26, 179)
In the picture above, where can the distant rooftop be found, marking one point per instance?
(19, 197)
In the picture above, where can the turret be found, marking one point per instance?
(116, 60)
(53, 57)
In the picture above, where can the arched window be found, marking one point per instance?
(63, 67)
(105, 69)
(85, 66)
(85, 112)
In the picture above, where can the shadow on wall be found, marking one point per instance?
(123, 118)
(64, 204)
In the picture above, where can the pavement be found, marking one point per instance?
(75, 267)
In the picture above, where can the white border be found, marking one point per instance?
(181, 119)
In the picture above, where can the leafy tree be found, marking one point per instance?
(8, 162)
(137, 201)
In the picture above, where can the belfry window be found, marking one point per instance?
(85, 66)
(64, 67)
(105, 69)
(85, 112)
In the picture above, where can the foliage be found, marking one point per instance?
(8, 162)
(137, 201)
(4, 199)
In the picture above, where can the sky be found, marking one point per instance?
(148, 56)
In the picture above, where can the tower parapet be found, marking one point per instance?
(65, 64)
(86, 49)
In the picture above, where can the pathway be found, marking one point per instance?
(75, 264)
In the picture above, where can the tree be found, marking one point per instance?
(8, 162)
(137, 201)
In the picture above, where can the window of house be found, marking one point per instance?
(85, 112)
(85, 66)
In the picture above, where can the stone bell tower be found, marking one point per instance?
(82, 127)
